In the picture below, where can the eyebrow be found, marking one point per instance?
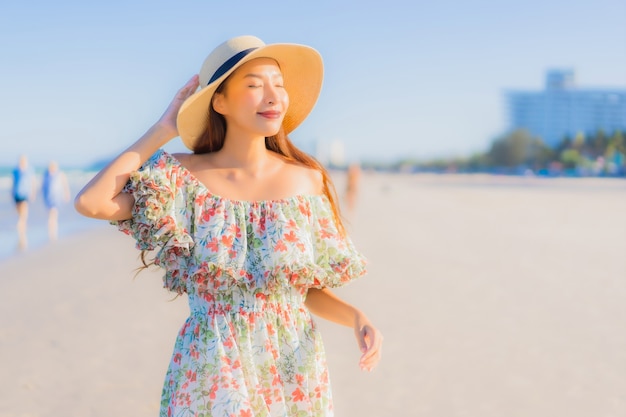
(253, 75)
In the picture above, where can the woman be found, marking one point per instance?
(248, 227)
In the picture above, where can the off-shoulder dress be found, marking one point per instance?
(249, 346)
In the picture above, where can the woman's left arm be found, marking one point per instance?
(325, 304)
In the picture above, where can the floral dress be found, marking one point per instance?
(249, 346)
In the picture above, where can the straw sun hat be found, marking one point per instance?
(302, 70)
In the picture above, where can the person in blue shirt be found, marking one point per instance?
(23, 192)
(55, 192)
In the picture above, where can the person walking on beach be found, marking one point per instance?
(248, 227)
(353, 178)
(23, 191)
(56, 191)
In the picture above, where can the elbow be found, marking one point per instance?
(83, 205)
(90, 204)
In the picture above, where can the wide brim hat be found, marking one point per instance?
(302, 70)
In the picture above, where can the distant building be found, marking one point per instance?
(563, 109)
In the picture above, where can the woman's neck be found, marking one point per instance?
(246, 153)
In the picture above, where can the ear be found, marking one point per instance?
(218, 103)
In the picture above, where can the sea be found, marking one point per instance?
(70, 222)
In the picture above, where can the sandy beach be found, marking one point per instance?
(497, 297)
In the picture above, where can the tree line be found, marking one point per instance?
(518, 152)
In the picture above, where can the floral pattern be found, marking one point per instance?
(250, 347)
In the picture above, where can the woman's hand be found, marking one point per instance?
(102, 197)
(168, 119)
(324, 303)
(370, 342)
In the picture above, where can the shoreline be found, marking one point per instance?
(71, 222)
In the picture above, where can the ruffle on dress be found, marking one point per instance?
(157, 223)
(213, 244)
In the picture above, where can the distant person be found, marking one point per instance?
(23, 191)
(353, 178)
(56, 191)
(247, 226)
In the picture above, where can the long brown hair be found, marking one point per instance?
(213, 140)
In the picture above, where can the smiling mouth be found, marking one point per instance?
(270, 114)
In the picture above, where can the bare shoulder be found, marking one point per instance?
(182, 157)
(190, 160)
(307, 180)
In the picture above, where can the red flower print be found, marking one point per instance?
(207, 214)
(212, 245)
(200, 199)
(245, 413)
(193, 352)
(228, 342)
(291, 237)
(325, 235)
(304, 209)
(191, 376)
(227, 241)
(298, 395)
(299, 379)
(280, 246)
(235, 230)
(213, 390)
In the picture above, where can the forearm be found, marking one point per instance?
(101, 198)
(325, 304)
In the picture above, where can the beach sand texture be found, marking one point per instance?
(496, 296)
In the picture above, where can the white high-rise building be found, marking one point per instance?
(563, 109)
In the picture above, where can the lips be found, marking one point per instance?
(270, 114)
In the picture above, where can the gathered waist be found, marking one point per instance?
(244, 303)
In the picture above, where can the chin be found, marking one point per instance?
(270, 131)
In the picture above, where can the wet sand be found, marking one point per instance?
(496, 296)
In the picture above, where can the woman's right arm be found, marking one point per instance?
(102, 197)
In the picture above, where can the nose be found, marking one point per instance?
(271, 94)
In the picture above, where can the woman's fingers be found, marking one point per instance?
(169, 116)
(183, 94)
(188, 89)
(370, 342)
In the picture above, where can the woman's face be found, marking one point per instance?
(254, 100)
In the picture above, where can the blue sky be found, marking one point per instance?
(81, 81)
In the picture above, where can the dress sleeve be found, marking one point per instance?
(160, 218)
(337, 259)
